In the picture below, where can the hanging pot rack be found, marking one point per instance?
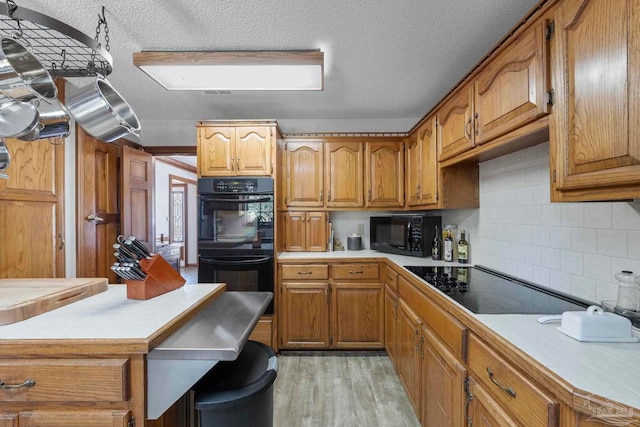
(62, 49)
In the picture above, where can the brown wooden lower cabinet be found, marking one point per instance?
(73, 419)
(409, 327)
(483, 411)
(391, 324)
(304, 309)
(357, 315)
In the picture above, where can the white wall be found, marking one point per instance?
(572, 247)
(161, 211)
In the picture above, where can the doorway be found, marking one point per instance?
(181, 208)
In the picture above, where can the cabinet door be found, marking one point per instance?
(305, 315)
(316, 231)
(253, 151)
(413, 169)
(77, 418)
(455, 127)
(409, 353)
(384, 174)
(511, 91)
(484, 411)
(391, 324)
(595, 137)
(428, 162)
(357, 315)
(344, 181)
(8, 419)
(295, 231)
(442, 384)
(216, 154)
(305, 173)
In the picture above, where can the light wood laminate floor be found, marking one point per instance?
(340, 391)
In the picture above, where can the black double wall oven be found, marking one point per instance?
(235, 233)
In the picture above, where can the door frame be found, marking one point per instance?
(183, 182)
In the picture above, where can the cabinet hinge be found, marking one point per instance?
(551, 28)
(550, 96)
(437, 196)
(132, 422)
(553, 177)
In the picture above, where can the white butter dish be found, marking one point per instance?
(595, 325)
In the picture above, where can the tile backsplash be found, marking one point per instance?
(575, 248)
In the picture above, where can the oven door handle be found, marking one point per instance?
(238, 201)
(214, 261)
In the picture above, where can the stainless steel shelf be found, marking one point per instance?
(63, 50)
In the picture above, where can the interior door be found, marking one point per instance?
(137, 195)
(99, 165)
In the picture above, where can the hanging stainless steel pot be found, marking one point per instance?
(53, 122)
(22, 76)
(4, 159)
(17, 118)
(102, 112)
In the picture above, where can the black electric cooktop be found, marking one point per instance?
(485, 291)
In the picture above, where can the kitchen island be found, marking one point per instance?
(89, 363)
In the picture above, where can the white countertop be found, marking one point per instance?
(110, 315)
(609, 370)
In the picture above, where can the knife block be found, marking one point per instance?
(161, 278)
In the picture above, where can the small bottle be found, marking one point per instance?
(463, 248)
(436, 246)
(448, 247)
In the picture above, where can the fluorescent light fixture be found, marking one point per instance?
(245, 70)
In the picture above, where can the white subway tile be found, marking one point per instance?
(560, 237)
(525, 234)
(583, 240)
(525, 271)
(597, 215)
(533, 215)
(583, 287)
(533, 254)
(606, 291)
(552, 215)
(525, 196)
(598, 267)
(620, 264)
(560, 281)
(541, 194)
(573, 215)
(612, 242)
(626, 216)
(517, 251)
(550, 258)
(511, 267)
(633, 241)
(541, 235)
(540, 275)
(571, 262)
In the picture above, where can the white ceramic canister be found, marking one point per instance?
(627, 290)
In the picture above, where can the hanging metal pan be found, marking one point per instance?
(102, 112)
(53, 122)
(22, 76)
(17, 118)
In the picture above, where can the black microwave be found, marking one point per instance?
(404, 234)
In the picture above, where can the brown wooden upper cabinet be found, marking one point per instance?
(344, 177)
(508, 93)
(235, 151)
(305, 231)
(384, 178)
(595, 137)
(304, 173)
(422, 166)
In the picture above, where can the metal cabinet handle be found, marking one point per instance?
(321, 197)
(416, 340)
(27, 383)
(356, 272)
(233, 166)
(238, 163)
(62, 241)
(304, 272)
(475, 124)
(510, 391)
(94, 217)
(467, 128)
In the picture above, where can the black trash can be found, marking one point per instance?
(239, 393)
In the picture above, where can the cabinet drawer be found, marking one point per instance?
(77, 418)
(66, 380)
(355, 271)
(520, 397)
(391, 278)
(305, 272)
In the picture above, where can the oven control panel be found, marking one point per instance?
(242, 185)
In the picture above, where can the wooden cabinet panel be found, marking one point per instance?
(442, 384)
(216, 151)
(75, 419)
(409, 325)
(305, 231)
(357, 315)
(414, 162)
(484, 411)
(455, 127)
(511, 90)
(305, 173)
(391, 324)
(525, 401)
(384, 174)
(66, 380)
(595, 140)
(367, 271)
(316, 230)
(8, 419)
(253, 151)
(427, 138)
(305, 319)
(306, 272)
(344, 178)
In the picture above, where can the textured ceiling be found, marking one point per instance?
(387, 62)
